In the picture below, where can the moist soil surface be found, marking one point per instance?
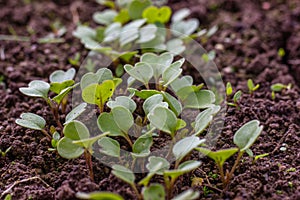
(246, 43)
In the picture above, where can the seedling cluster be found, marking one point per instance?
(140, 114)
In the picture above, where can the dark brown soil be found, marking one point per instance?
(250, 34)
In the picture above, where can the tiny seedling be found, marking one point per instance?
(75, 61)
(3, 153)
(251, 86)
(77, 141)
(99, 196)
(243, 139)
(278, 87)
(34, 122)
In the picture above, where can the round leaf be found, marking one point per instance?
(123, 173)
(36, 89)
(157, 165)
(200, 99)
(106, 123)
(154, 192)
(247, 134)
(188, 194)
(181, 14)
(105, 17)
(142, 144)
(75, 112)
(204, 118)
(76, 130)
(152, 102)
(123, 101)
(137, 7)
(141, 71)
(67, 149)
(101, 75)
(109, 147)
(32, 121)
(60, 76)
(123, 118)
(172, 72)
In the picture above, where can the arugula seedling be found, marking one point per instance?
(243, 139)
(154, 14)
(3, 153)
(236, 98)
(228, 89)
(34, 122)
(98, 196)
(109, 147)
(77, 141)
(251, 86)
(75, 61)
(117, 122)
(278, 87)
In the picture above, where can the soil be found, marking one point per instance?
(249, 36)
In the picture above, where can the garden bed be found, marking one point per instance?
(247, 43)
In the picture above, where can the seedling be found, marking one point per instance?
(236, 96)
(3, 153)
(61, 84)
(34, 122)
(251, 86)
(243, 138)
(77, 141)
(278, 87)
(75, 61)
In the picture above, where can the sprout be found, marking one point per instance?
(251, 86)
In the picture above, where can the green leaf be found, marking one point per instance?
(99, 196)
(60, 76)
(250, 84)
(176, 46)
(130, 32)
(180, 14)
(142, 145)
(158, 63)
(204, 118)
(88, 142)
(199, 100)
(218, 156)
(185, 146)
(126, 56)
(174, 104)
(101, 75)
(153, 101)
(163, 119)
(32, 121)
(141, 71)
(182, 82)
(157, 165)
(112, 32)
(147, 33)
(123, 118)
(76, 130)
(184, 28)
(67, 149)
(105, 17)
(36, 89)
(188, 194)
(123, 101)
(237, 96)
(278, 87)
(78, 110)
(184, 92)
(58, 98)
(172, 72)
(98, 93)
(228, 89)
(154, 14)
(143, 94)
(154, 192)
(137, 7)
(180, 124)
(109, 147)
(123, 173)
(123, 16)
(84, 32)
(247, 134)
(183, 168)
(106, 123)
(58, 87)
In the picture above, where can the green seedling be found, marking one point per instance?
(34, 122)
(77, 141)
(124, 101)
(235, 99)
(259, 157)
(251, 86)
(73, 114)
(117, 122)
(281, 52)
(75, 61)
(98, 196)
(154, 191)
(228, 89)
(61, 84)
(154, 14)
(109, 147)
(204, 118)
(278, 87)
(3, 153)
(55, 138)
(243, 139)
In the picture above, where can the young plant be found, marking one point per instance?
(99, 196)
(61, 84)
(77, 141)
(34, 122)
(278, 87)
(236, 96)
(3, 153)
(243, 139)
(251, 86)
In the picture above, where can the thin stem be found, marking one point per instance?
(127, 138)
(147, 86)
(89, 163)
(46, 134)
(136, 191)
(64, 104)
(167, 183)
(220, 167)
(228, 177)
(54, 109)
